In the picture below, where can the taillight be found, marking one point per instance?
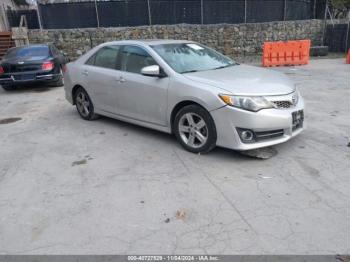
(2, 70)
(47, 66)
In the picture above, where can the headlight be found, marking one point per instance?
(295, 97)
(251, 103)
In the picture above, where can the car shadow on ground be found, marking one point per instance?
(157, 136)
(31, 88)
(170, 139)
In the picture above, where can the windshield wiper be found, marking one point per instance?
(220, 67)
(189, 71)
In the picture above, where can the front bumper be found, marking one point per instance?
(227, 119)
(27, 78)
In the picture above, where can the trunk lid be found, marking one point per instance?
(23, 64)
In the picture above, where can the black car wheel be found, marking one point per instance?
(60, 81)
(84, 105)
(195, 129)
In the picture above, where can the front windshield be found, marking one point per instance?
(191, 57)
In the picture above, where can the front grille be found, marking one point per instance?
(283, 104)
(269, 134)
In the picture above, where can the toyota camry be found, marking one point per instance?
(185, 88)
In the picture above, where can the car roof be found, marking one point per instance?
(28, 46)
(33, 45)
(151, 42)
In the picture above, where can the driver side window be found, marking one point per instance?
(134, 58)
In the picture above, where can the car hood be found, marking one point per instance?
(245, 80)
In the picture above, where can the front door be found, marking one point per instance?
(141, 97)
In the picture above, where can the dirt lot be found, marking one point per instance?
(68, 186)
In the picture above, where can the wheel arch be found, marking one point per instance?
(178, 107)
(74, 90)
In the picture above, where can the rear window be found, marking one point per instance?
(33, 51)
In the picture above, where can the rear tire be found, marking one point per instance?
(60, 81)
(195, 129)
(84, 105)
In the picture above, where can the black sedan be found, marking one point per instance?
(32, 64)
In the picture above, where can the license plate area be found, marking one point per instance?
(298, 119)
(24, 77)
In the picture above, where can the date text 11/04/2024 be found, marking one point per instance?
(174, 258)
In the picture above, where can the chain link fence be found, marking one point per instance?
(114, 13)
(338, 37)
(14, 18)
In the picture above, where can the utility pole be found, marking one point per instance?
(97, 17)
(347, 34)
(314, 9)
(324, 22)
(202, 12)
(149, 13)
(245, 11)
(39, 17)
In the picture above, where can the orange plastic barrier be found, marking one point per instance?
(286, 53)
(348, 57)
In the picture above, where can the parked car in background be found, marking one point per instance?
(182, 87)
(32, 64)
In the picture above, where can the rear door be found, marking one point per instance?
(141, 97)
(101, 77)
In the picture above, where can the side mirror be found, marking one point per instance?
(153, 70)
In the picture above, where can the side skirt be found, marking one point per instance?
(164, 129)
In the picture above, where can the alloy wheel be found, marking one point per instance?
(193, 130)
(83, 104)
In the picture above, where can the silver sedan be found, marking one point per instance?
(203, 97)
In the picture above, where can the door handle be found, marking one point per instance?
(120, 79)
(85, 73)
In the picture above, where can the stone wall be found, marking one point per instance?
(231, 39)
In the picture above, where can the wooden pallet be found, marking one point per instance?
(6, 42)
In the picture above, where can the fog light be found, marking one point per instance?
(246, 135)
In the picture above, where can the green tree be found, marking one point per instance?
(340, 8)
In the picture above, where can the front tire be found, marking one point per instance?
(84, 105)
(195, 129)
